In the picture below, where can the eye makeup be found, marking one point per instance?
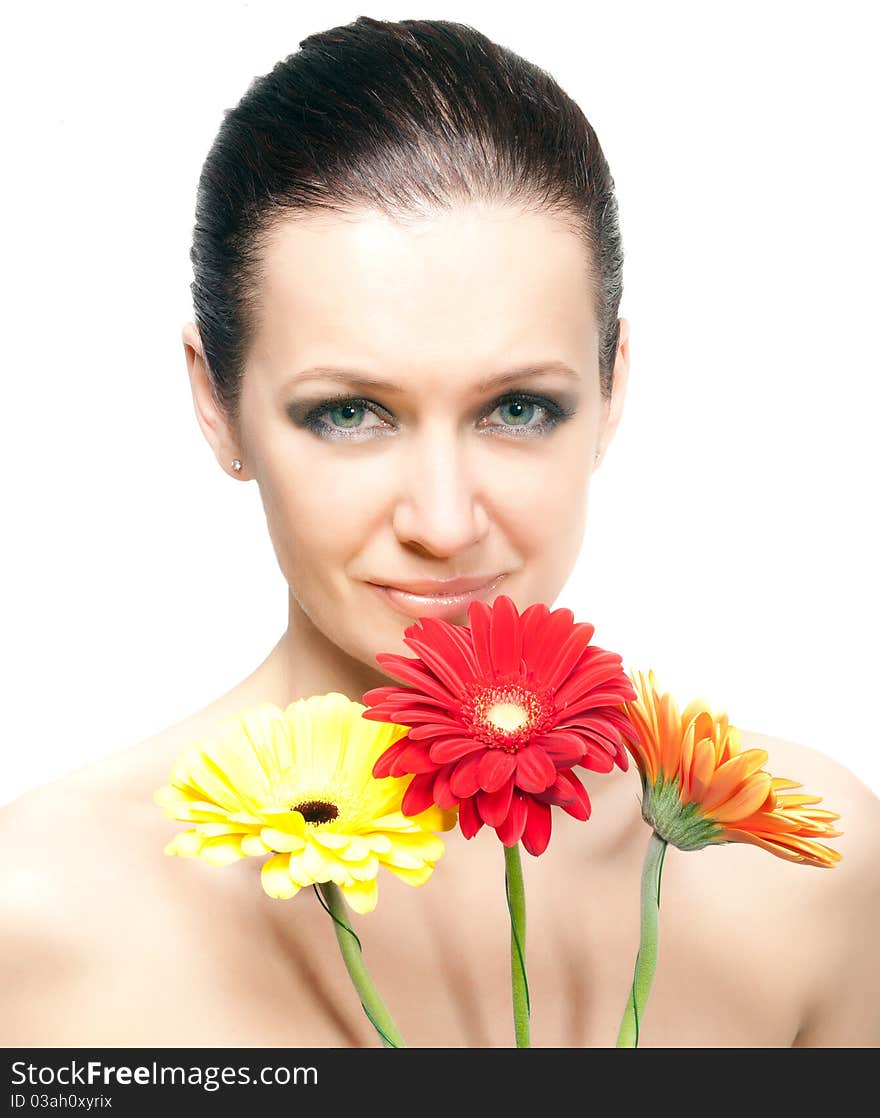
(323, 417)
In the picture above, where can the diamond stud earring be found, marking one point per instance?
(236, 464)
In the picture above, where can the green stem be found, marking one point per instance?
(516, 906)
(350, 946)
(646, 960)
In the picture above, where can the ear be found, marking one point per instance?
(211, 417)
(618, 391)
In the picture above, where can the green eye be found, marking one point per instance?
(520, 411)
(351, 415)
(345, 417)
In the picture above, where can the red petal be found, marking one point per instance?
(469, 818)
(443, 796)
(611, 721)
(453, 749)
(596, 760)
(377, 695)
(510, 831)
(580, 809)
(496, 767)
(593, 700)
(598, 724)
(506, 639)
(532, 622)
(494, 806)
(594, 741)
(534, 770)
(413, 759)
(454, 642)
(424, 721)
(465, 780)
(571, 652)
(554, 633)
(480, 618)
(419, 795)
(536, 834)
(562, 748)
(435, 658)
(386, 760)
(558, 794)
(414, 672)
(596, 668)
(615, 751)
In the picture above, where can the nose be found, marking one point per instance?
(440, 507)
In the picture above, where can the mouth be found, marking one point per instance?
(450, 598)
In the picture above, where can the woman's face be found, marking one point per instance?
(422, 402)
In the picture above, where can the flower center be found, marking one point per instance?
(317, 811)
(507, 715)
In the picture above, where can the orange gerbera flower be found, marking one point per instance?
(700, 787)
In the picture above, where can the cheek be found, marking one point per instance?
(312, 512)
(544, 494)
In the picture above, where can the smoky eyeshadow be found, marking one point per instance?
(306, 413)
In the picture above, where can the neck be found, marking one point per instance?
(305, 662)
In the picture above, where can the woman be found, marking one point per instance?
(407, 281)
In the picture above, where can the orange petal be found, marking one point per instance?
(731, 775)
(686, 764)
(702, 770)
(670, 736)
(793, 849)
(746, 800)
(782, 782)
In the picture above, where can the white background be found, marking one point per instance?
(731, 543)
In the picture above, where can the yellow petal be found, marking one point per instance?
(412, 877)
(321, 865)
(362, 895)
(215, 830)
(436, 819)
(422, 845)
(185, 845)
(276, 879)
(221, 851)
(297, 869)
(379, 844)
(333, 840)
(288, 822)
(282, 841)
(253, 846)
(356, 849)
(364, 871)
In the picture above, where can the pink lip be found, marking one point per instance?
(437, 598)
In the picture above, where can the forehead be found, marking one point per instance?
(467, 288)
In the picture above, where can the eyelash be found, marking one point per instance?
(556, 414)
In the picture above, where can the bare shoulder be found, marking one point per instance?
(840, 907)
(841, 791)
(82, 863)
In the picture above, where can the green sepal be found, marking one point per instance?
(681, 825)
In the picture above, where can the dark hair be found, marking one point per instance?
(398, 117)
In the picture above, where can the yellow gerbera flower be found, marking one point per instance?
(297, 785)
(700, 787)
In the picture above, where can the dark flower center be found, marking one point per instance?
(317, 811)
(507, 715)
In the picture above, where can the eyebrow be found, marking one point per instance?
(362, 379)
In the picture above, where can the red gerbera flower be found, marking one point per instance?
(500, 711)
